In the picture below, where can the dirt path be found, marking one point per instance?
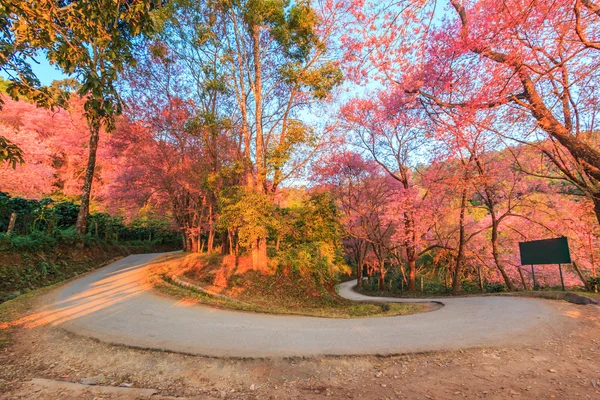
(116, 305)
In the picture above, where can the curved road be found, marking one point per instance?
(115, 304)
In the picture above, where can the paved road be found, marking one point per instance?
(115, 304)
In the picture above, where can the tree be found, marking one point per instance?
(53, 144)
(365, 195)
(90, 40)
(251, 69)
(536, 59)
(392, 132)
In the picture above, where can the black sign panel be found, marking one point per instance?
(549, 251)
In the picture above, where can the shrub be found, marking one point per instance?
(69, 236)
(495, 287)
(35, 241)
(65, 214)
(435, 288)
(469, 286)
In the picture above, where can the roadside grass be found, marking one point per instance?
(339, 310)
(593, 296)
(574, 296)
(272, 293)
(23, 270)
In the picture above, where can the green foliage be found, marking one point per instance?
(38, 260)
(250, 212)
(92, 40)
(10, 153)
(295, 29)
(311, 239)
(594, 282)
(56, 221)
(494, 287)
(292, 26)
(69, 236)
(35, 241)
(320, 81)
(470, 286)
(65, 214)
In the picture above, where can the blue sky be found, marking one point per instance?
(45, 72)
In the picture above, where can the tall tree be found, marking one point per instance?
(89, 40)
(253, 67)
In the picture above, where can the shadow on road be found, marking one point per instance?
(112, 289)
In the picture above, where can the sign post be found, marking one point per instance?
(549, 251)
(562, 281)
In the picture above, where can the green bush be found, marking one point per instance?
(65, 214)
(495, 287)
(469, 286)
(69, 236)
(35, 241)
(49, 216)
(594, 282)
(435, 288)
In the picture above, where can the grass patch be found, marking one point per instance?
(593, 296)
(575, 297)
(277, 292)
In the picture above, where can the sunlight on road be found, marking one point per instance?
(186, 303)
(578, 315)
(116, 287)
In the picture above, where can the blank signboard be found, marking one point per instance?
(549, 251)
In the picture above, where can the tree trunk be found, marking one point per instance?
(260, 156)
(259, 248)
(81, 224)
(412, 275)
(11, 223)
(359, 250)
(456, 287)
(211, 240)
(186, 246)
(359, 275)
(259, 254)
(360, 265)
(505, 276)
(411, 252)
(592, 260)
(587, 285)
(480, 275)
(381, 279)
(523, 281)
(404, 280)
(195, 243)
(233, 244)
(225, 247)
(489, 201)
(596, 200)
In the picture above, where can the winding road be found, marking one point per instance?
(116, 304)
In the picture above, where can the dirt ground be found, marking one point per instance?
(40, 363)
